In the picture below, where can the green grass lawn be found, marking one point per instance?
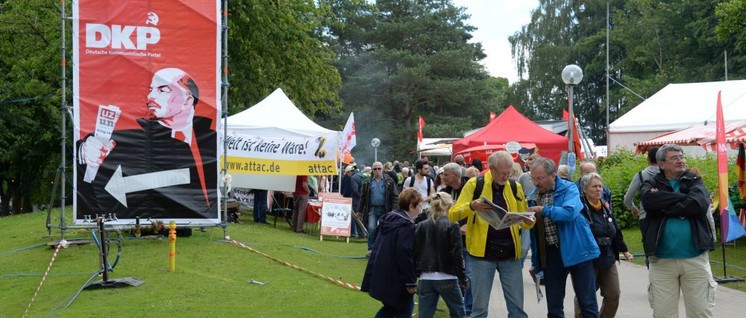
(212, 276)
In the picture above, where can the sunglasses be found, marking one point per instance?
(376, 168)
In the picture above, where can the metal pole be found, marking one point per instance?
(570, 121)
(607, 72)
(375, 154)
(63, 109)
(224, 114)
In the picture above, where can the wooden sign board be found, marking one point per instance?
(336, 217)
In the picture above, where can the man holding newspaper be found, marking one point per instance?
(492, 243)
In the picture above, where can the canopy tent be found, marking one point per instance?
(697, 135)
(273, 118)
(484, 151)
(276, 115)
(509, 126)
(438, 147)
(678, 106)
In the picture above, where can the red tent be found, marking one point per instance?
(510, 125)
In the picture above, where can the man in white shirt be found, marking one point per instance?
(422, 182)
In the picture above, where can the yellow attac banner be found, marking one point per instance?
(281, 156)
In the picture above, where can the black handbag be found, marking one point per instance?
(499, 250)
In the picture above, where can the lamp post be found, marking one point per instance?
(375, 142)
(571, 75)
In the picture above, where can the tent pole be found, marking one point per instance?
(224, 115)
(63, 131)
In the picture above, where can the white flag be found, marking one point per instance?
(349, 139)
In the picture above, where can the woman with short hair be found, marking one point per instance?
(390, 274)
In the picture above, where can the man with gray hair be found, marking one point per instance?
(491, 249)
(561, 241)
(455, 181)
(564, 172)
(677, 238)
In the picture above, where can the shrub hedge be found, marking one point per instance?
(621, 166)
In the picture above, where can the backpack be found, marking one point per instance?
(411, 183)
(480, 186)
(363, 177)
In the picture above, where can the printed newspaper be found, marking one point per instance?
(500, 218)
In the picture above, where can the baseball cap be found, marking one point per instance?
(349, 168)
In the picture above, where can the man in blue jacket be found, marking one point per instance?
(562, 242)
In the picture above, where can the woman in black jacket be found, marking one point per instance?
(610, 242)
(440, 261)
(390, 274)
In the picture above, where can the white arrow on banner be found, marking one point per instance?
(119, 186)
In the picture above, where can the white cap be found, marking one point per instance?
(349, 168)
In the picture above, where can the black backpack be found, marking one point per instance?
(411, 183)
(480, 187)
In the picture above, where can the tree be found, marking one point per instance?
(29, 103)
(732, 15)
(278, 44)
(402, 59)
(652, 44)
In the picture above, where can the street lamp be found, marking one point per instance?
(571, 75)
(375, 143)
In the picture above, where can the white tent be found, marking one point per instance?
(677, 106)
(275, 116)
(438, 147)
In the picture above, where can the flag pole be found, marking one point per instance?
(724, 204)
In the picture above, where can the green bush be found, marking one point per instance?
(621, 166)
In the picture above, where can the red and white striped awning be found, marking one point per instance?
(698, 135)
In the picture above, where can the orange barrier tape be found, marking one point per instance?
(333, 280)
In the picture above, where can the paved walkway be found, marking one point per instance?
(634, 302)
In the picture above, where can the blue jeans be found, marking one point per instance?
(373, 216)
(449, 289)
(511, 279)
(391, 312)
(468, 299)
(260, 206)
(583, 283)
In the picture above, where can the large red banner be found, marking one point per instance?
(146, 102)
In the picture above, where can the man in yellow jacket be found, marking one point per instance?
(493, 250)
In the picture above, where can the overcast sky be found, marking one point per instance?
(496, 20)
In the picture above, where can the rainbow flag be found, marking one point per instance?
(730, 227)
(741, 172)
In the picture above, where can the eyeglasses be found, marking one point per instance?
(376, 168)
(539, 179)
(675, 158)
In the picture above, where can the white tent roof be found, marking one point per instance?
(436, 146)
(678, 106)
(681, 105)
(275, 115)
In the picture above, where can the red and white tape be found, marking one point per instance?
(60, 244)
(333, 280)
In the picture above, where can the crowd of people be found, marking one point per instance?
(427, 235)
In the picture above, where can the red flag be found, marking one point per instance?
(576, 145)
(743, 218)
(419, 131)
(492, 116)
(722, 159)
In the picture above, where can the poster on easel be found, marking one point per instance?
(336, 217)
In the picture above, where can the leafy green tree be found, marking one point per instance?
(277, 44)
(29, 103)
